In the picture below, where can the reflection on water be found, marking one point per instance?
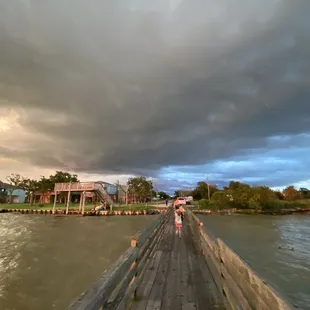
(277, 248)
(46, 261)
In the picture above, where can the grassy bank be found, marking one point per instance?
(48, 206)
(272, 207)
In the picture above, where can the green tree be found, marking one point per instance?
(177, 193)
(163, 195)
(140, 188)
(304, 193)
(242, 195)
(15, 180)
(291, 193)
(222, 199)
(266, 195)
(279, 195)
(45, 185)
(239, 193)
(63, 177)
(254, 202)
(31, 187)
(201, 190)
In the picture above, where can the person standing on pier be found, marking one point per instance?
(178, 222)
(182, 210)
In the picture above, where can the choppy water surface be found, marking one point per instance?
(277, 248)
(46, 261)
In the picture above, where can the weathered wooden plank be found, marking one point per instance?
(157, 292)
(144, 235)
(98, 293)
(253, 298)
(153, 236)
(149, 251)
(128, 296)
(193, 229)
(166, 240)
(169, 301)
(212, 263)
(122, 287)
(205, 289)
(145, 244)
(187, 291)
(234, 294)
(248, 281)
(145, 287)
(212, 242)
(155, 298)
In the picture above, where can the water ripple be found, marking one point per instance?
(46, 261)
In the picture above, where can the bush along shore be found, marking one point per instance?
(252, 211)
(242, 198)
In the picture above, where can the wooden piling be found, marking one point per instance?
(55, 201)
(68, 199)
(83, 202)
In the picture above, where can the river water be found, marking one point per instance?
(47, 261)
(276, 247)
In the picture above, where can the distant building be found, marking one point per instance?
(116, 192)
(18, 195)
(111, 189)
(44, 198)
(3, 192)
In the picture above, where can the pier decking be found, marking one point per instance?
(176, 276)
(162, 271)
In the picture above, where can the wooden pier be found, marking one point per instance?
(84, 188)
(162, 271)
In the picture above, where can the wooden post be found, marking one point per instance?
(134, 242)
(68, 199)
(83, 203)
(55, 201)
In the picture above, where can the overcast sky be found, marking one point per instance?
(171, 90)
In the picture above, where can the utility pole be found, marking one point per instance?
(151, 186)
(208, 188)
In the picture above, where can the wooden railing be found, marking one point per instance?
(116, 287)
(242, 288)
(75, 186)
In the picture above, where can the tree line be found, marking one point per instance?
(142, 190)
(244, 196)
(235, 195)
(139, 188)
(31, 186)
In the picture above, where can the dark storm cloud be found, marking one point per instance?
(130, 87)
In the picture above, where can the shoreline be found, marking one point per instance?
(86, 213)
(304, 211)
